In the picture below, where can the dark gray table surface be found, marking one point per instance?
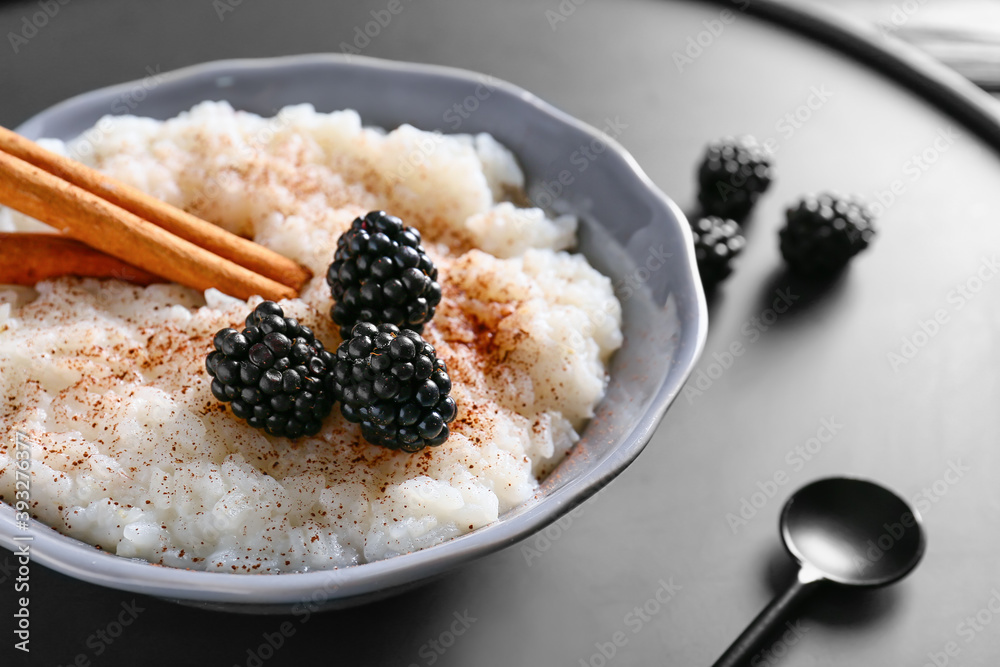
(925, 425)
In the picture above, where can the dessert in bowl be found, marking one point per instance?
(559, 360)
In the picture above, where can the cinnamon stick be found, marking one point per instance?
(115, 231)
(26, 259)
(235, 248)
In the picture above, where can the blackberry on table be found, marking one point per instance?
(716, 242)
(380, 273)
(734, 173)
(274, 374)
(391, 382)
(823, 232)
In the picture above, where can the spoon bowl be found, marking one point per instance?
(852, 531)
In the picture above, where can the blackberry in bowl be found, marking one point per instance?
(381, 273)
(391, 382)
(273, 374)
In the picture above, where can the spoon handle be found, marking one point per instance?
(769, 620)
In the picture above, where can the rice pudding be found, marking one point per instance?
(132, 453)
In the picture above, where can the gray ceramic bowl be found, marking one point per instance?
(628, 224)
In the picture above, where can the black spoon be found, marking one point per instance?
(841, 530)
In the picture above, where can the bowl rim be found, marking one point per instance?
(83, 561)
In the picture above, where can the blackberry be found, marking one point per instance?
(391, 382)
(733, 175)
(380, 273)
(274, 374)
(716, 243)
(823, 233)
